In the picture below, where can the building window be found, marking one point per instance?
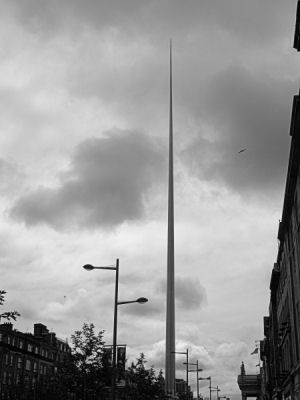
(11, 360)
(4, 377)
(19, 364)
(21, 344)
(18, 379)
(36, 350)
(1, 336)
(26, 381)
(6, 359)
(28, 365)
(29, 347)
(35, 367)
(8, 339)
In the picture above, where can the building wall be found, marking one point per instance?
(281, 357)
(28, 361)
(280, 349)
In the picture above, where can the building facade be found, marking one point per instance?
(280, 348)
(28, 361)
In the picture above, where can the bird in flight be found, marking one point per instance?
(241, 151)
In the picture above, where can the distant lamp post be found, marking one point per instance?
(140, 300)
(197, 370)
(187, 368)
(215, 389)
(208, 378)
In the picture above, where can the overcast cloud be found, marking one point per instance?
(250, 113)
(96, 190)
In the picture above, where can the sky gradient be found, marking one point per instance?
(83, 168)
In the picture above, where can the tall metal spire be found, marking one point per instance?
(170, 316)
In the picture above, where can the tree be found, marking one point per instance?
(8, 315)
(87, 354)
(86, 373)
(143, 383)
(81, 373)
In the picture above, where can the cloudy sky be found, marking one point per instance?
(83, 168)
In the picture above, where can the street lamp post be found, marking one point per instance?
(208, 378)
(141, 300)
(222, 397)
(197, 370)
(215, 389)
(187, 368)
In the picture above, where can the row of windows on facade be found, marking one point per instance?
(282, 301)
(289, 261)
(14, 341)
(30, 365)
(291, 249)
(10, 380)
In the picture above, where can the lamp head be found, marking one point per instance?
(88, 267)
(141, 300)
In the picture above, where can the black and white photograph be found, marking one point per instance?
(150, 199)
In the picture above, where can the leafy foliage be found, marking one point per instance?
(87, 349)
(86, 373)
(8, 315)
(143, 382)
(81, 373)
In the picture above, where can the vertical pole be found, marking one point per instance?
(210, 388)
(170, 309)
(187, 373)
(197, 380)
(114, 366)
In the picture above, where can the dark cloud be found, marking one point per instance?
(244, 111)
(104, 187)
(253, 20)
(190, 294)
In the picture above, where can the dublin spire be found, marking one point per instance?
(170, 315)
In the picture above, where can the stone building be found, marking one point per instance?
(28, 361)
(280, 348)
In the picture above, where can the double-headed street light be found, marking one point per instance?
(208, 378)
(196, 370)
(187, 368)
(215, 389)
(140, 300)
